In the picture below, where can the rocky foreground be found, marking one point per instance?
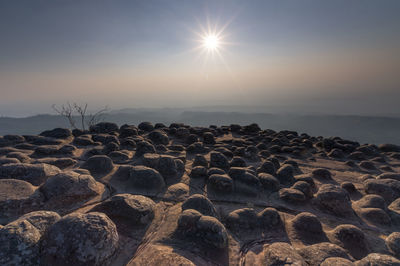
(181, 195)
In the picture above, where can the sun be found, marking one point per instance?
(211, 42)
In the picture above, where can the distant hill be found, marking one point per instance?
(365, 129)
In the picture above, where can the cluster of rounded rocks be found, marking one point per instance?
(84, 197)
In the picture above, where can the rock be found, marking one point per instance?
(104, 128)
(134, 209)
(389, 148)
(304, 187)
(389, 189)
(394, 206)
(178, 191)
(333, 199)
(348, 186)
(167, 166)
(58, 133)
(198, 172)
(201, 204)
(375, 216)
(143, 147)
(17, 197)
(206, 229)
(393, 243)
(352, 239)
(41, 220)
(317, 253)
(200, 160)
(159, 255)
(158, 137)
(291, 195)
(280, 253)
(394, 176)
(285, 175)
(19, 244)
(145, 178)
(368, 165)
(146, 126)
(237, 162)
(80, 239)
(35, 174)
(376, 259)
(127, 131)
(208, 138)
(269, 218)
(221, 184)
(99, 165)
(9, 161)
(307, 227)
(22, 157)
(64, 190)
(267, 167)
(119, 156)
(371, 201)
(61, 163)
(219, 160)
(336, 153)
(244, 181)
(269, 182)
(215, 171)
(242, 219)
(337, 262)
(322, 174)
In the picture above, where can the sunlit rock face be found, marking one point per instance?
(220, 195)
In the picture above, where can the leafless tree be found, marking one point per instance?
(72, 111)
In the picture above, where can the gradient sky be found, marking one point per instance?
(338, 56)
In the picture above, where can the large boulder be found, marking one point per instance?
(206, 229)
(17, 197)
(80, 239)
(19, 244)
(104, 127)
(393, 243)
(352, 239)
(36, 174)
(58, 133)
(141, 178)
(377, 259)
(389, 189)
(333, 199)
(219, 160)
(99, 165)
(134, 209)
(64, 190)
(201, 204)
(280, 253)
(317, 253)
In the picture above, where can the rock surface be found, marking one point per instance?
(156, 194)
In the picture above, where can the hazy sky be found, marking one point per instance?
(342, 55)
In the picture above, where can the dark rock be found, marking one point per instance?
(219, 160)
(35, 174)
(337, 262)
(375, 216)
(291, 195)
(371, 201)
(238, 162)
(348, 186)
(352, 239)
(393, 243)
(220, 183)
(208, 138)
(199, 172)
(145, 178)
(389, 148)
(322, 174)
(267, 167)
(333, 199)
(377, 259)
(317, 253)
(269, 218)
(58, 133)
(280, 253)
(158, 137)
(99, 165)
(146, 126)
(134, 209)
(269, 182)
(143, 147)
(201, 204)
(242, 219)
(304, 187)
(389, 189)
(80, 239)
(104, 127)
(206, 229)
